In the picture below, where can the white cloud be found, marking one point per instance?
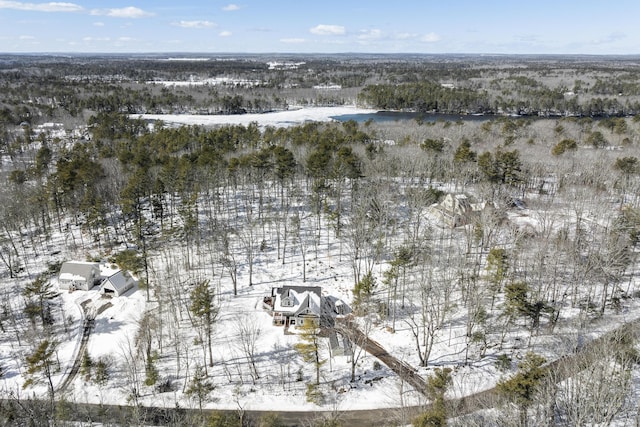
(328, 30)
(98, 24)
(609, 38)
(405, 36)
(96, 39)
(231, 7)
(27, 38)
(194, 24)
(125, 39)
(41, 7)
(370, 34)
(125, 12)
(430, 38)
(225, 34)
(292, 40)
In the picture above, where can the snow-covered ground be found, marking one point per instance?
(291, 117)
(282, 379)
(114, 339)
(283, 375)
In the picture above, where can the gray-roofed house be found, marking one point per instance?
(117, 284)
(293, 305)
(456, 210)
(79, 275)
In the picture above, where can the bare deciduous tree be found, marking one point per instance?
(249, 333)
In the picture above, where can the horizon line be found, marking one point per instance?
(187, 53)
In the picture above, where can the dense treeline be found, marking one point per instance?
(424, 97)
(525, 99)
(125, 164)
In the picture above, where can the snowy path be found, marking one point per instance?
(75, 368)
(559, 370)
(403, 370)
(90, 313)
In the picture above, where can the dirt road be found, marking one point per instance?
(405, 371)
(75, 368)
(90, 313)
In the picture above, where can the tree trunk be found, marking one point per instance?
(209, 343)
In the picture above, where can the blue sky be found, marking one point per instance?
(322, 26)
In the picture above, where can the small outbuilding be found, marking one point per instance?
(339, 345)
(117, 284)
(79, 275)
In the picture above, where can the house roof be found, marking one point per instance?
(456, 204)
(120, 281)
(303, 298)
(310, 304)
(78, 270)
(285, 290)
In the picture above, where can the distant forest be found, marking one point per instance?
(37, 89)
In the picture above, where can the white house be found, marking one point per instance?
(456, 210)
(79, 275)
(293, 305)
(117, 284)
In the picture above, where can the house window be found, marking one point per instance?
(287, 302)
(302, 321)
(293, 322)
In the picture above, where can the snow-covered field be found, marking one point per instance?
(291, 117)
